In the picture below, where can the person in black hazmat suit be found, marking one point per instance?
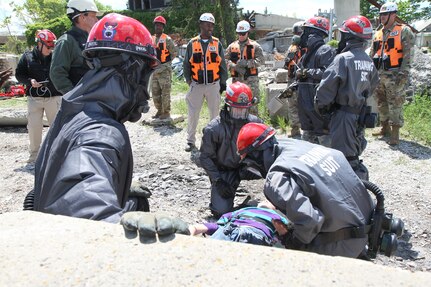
(218, 154)
(315, 188)
(342, 94)
(84, 168)
(312, 65)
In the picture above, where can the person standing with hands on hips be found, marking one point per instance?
(206, 73)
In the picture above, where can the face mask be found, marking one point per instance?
(342, 43)
(238, 113)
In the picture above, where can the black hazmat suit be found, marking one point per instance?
(315, 61)
(219, 158)
(84, 168)
(319, 193)
(346, 84)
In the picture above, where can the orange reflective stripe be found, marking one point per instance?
(393, 49)
(162, 51)
(205, 69)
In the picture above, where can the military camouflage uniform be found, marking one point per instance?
(292, 102)
(390, 93)
(251, 81)
(162, 80)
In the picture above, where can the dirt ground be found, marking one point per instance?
(181, 188)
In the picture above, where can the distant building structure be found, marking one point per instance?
(148, 5)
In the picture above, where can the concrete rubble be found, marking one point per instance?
(45, 250)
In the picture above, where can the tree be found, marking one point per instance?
(184, 17)
(408, 10)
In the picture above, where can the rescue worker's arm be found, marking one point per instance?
(259, 58)
(90, 182)
(187, 69)
(60, 65)
(223, 67)
(208, 152)
(170, 45)
(408, 41)
(327, 91)
(325, 56)
(21, 72)
(287, 195)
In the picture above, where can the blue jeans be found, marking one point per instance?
(245, 234)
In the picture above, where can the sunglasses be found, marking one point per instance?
(242, 33)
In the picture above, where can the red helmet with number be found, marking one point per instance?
(160, 19)
(115, 32)
(46, 37)
(358, 26)
(239, 95)
(319, 23)
(251, 136)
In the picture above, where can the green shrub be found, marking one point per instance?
(417, 115)
(333, 43)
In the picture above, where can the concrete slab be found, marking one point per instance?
(273, 90)
(39, 249)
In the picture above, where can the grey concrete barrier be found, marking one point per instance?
(46, 250)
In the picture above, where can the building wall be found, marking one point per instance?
(344, 9)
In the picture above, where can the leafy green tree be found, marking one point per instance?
(408, 10)
(184, 17)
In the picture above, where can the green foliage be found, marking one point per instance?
(15, 103)
(417, 115)
(13, 45)
(408, 10)
(57, 25)
(183, 17)
(333, 43)
(146, 18)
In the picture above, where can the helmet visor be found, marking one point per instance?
(238, 113)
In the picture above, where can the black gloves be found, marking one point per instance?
(224, 189)
(222, 88)
(151, 224)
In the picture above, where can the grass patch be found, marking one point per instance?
(14, 103)
(417, 116)
(179, 86)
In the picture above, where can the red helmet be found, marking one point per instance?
(319, 23)
(160, 19)
(46, 37)
(115, 32)
(358, 26)
(239, 95)
(251, 136)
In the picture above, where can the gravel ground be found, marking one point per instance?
(182, 188)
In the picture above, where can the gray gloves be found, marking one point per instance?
(151, 224)
(138, 189)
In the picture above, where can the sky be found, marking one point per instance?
(294, 8)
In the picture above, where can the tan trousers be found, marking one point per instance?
(195, 99)
(36, 106)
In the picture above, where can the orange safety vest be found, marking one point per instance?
(236, 55)
(391, 55)
(162, 51)
(205, 69)
(297, 56)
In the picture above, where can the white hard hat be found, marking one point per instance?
(388, 7)
(243, 26)
(81, 6)
(207, 17)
